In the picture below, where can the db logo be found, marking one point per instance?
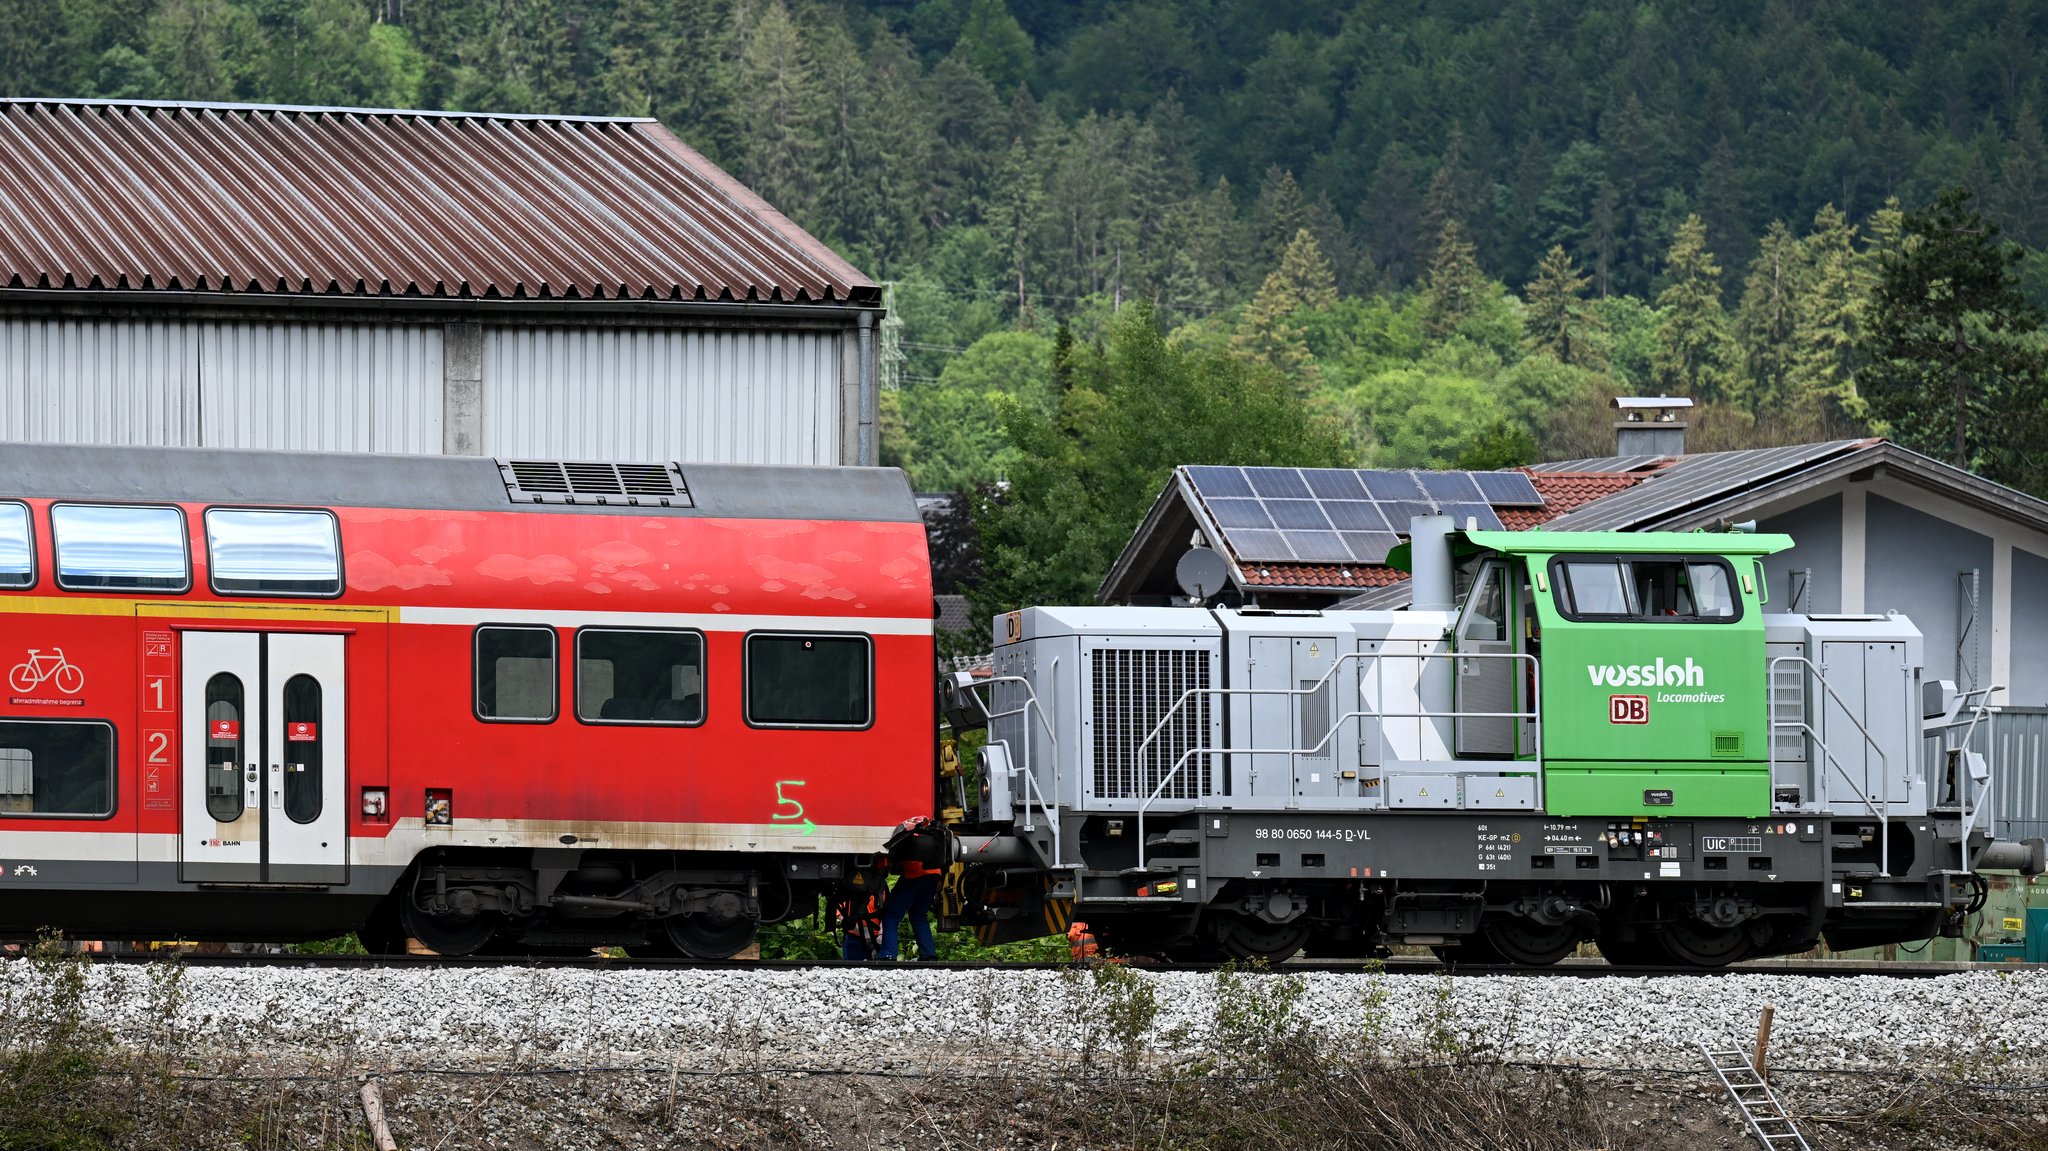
(1628, 709)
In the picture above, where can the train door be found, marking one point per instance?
(264, 745)
(1486, 679)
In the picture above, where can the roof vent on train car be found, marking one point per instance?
(583, 482)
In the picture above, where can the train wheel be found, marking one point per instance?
(1246, 937)
(708, 935)
(1530, 943)
(447, 934)
(1690, 941)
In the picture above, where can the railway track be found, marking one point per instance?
(1396, 965)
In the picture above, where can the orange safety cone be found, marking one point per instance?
(1081, 945)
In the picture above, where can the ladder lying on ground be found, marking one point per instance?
(1755, 1099)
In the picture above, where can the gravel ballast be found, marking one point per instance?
(829, 1017)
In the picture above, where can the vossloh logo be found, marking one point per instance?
(1658, 674)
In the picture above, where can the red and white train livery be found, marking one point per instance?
(478, 702)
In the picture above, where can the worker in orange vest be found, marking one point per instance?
(1081, 945)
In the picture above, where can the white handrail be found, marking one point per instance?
(1336, 725)
(1884, 823)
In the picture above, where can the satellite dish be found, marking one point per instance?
(1201, 573)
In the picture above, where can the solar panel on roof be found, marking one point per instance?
(1277, 483)
(1261, 547)
(1335, 484)
(1341, 516)
(1297, 515)
(1211, 482)
(1370, 547)
(1507, 489)
(1449, 486)
(1391, 485)
(1356, 516)
(1239, 514)
(1319, 547)
(1473, 515)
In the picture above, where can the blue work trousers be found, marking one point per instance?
(912, 897)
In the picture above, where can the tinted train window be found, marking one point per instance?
(1647, 590)
(120, 547)
(639, 676)
(515, 674)
(17, 549)
(809, 681)
(56, 768)
(261, 552)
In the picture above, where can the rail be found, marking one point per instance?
(1337, 724)
(1028, 708)
(1884, 823)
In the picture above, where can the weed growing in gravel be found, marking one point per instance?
(1257, 1026)
(52, 1055)
(1116, 1008)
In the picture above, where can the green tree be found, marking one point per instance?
(953, 427)
(1559, 320)
(1454, 285)
(778, 122)
(1504, 444)
(1767, 318)
(1956, 359)
(1268, 333)
(1085, 477)
(999, 47)
(1829, 324)
(1694, 352)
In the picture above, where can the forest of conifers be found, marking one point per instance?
(1394, 234)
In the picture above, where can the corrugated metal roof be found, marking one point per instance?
(1688, 480)
(146, 196)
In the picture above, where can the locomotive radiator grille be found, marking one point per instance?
(1133, 689)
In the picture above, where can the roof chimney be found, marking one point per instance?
(1650, 425)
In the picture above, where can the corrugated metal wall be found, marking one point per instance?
(338, 387)
(710, 395)
(2015, 740)
(322, 387)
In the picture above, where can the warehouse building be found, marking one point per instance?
(418, 282)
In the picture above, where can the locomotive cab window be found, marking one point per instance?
(515, 674)
(17, 547)
(809, 680)
(264, 552)
(56, 768)
(120, 547)
(1668, 590)
(639, 677)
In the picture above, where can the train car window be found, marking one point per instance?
(224, 714)
(515, 674)
(809, 680)
(1713, 597)
(120, 547)
(264, 552)
(302, 749)
(1587, 588)
(56, 768)
(639, 677)
(17, 547)
(1647, 590)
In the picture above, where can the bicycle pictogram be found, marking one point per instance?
(39, 669)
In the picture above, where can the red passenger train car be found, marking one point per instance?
(483, 703)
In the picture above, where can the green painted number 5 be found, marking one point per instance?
(796, 810)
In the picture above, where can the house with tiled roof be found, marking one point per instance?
(1877, 528)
